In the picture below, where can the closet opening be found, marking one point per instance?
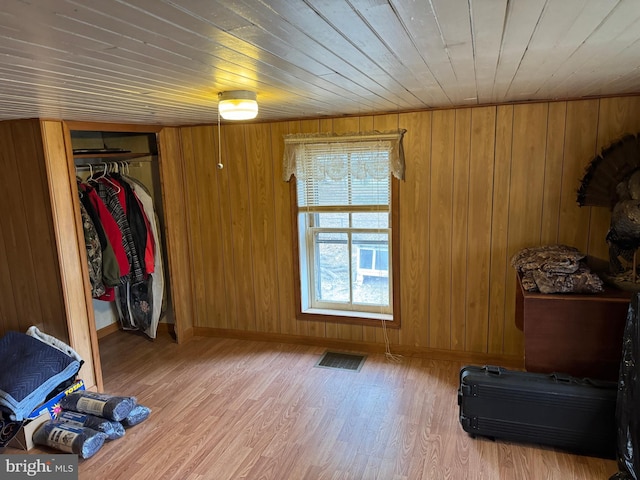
(120, 200)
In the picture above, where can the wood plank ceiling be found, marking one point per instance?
(164, 61)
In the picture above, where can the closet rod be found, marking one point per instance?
(97, 165)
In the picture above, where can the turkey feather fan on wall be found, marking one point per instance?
(612, 180)
(600, 185)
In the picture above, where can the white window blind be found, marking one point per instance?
(324, 157)
(332, 175)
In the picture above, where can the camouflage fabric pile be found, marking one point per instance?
(555, 269)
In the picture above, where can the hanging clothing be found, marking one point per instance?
(94, 204)
(157, 277)
(141, 304)
(138, 213)
(122, 306)
(124, 209)
(134, 306)
(112, 232)
(110, 198)
(94, 253)
(110, 267)
(135, 216)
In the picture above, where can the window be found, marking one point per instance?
(372, 261)
(346, 224)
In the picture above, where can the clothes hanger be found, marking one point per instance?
(91, 174)
(107, 179)
(104, 171)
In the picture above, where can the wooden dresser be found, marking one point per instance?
(578, 334)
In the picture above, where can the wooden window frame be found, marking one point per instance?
(348, 317)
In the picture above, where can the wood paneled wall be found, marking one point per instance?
(42, 281)
(174, 205)
(481, 183)
(30, 289)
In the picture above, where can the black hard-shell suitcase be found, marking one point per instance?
(557, 410)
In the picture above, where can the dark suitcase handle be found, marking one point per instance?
(561, 377)
(566, 378)
(494, 369)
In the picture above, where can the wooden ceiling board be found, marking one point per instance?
(455, 25)
(290, 35)
(626, 83)
(341, 86)
(313, 25)
(421, 23)
(375, 30)
(254, 31)
(610, 52)
(164, 61)
(520, 24)
(418, 78)
(145, 48)
(172, 72)
(350, 23)
(487, 25)
(562, 28)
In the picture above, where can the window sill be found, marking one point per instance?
(347, 317)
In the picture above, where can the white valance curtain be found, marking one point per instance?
(384, 154)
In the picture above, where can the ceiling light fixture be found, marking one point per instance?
(237, 105)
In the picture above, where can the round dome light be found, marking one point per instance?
(237, 105)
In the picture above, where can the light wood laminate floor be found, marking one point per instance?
(230, 409)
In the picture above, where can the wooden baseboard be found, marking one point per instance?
(114, 327)
(508, 361)
(186, 335)
(108, 330)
